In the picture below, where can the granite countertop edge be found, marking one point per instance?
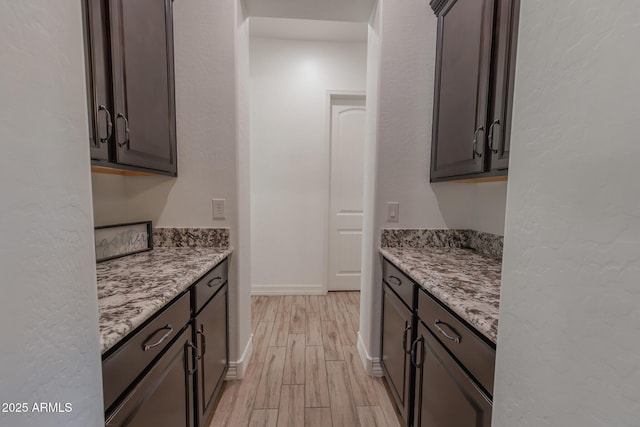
(134, 288)
(473, 297)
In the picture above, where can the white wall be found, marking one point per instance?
(569, 309)
(210, 64)
(290, 153)
(109, 193)
(398, 145)
(48, 308)
(369, 301)
(243, 186)
(489, 204)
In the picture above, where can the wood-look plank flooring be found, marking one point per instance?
(305, 369)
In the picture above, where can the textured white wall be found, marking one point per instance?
(48, 307)
(290, 153)
(489, 204)
(109, 193)
(400, 135)
(569, 317)
(369, 301)
(243, 186)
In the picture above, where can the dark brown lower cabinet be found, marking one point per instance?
(164, 396)
(445, 395)
(170, 372)
(438, 368)
(396, 337)
(213, 342)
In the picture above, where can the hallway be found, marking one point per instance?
(305, 368)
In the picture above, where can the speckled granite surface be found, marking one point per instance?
(133, 288)
(191, 237)
(420, 238)
(464, 280)
(485, 243)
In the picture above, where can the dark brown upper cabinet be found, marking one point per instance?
(475, 64)
(130, 71)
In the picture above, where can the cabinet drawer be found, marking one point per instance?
(398, 282)
(472, 352)
(209, 284)
(164, 396)
(123, 366)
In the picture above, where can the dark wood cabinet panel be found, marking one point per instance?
(164, 397)
(396, 337)
(213, 344)
(475, 64)
(476, 354)
(462, 87)
(170, 372)
(126, 362)
(143, 83)
(130, 82)
(439, 369)
(98, 65)
(505, 45)
(399, 283)
(445, 396)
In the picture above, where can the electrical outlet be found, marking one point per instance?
(393, 211)
(218, 209)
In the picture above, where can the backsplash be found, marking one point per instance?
(420, 238)
(485, 243)
(191, 237)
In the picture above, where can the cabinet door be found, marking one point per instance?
(143, 83)
(506, 31)
(164, 397)
(213, 344)
(463, 65)
(396, 337)
(98, 78)
(445, 396)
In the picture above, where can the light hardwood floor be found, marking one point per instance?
(305, 369)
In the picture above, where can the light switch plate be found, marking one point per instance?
(218, 209)
(393, 211)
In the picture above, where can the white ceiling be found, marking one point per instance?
(327, 10)
(306, 29)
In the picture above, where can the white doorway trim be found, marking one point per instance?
(331, 96)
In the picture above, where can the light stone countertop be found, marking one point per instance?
(131, 289)
(462, 279)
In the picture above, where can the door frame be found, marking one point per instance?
(330, 97)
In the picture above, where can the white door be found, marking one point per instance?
(346, 192)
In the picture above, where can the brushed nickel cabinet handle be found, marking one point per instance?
(407, 328)
(194, 359)
(414, 350)
(218, 279)
(126, 131)
(475, 143)
(109, 123)
(490, 136)
(204, 341)
(147, 347)
(397, 281)
(437, 324)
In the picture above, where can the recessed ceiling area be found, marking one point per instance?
(308, 29)
(327, 10)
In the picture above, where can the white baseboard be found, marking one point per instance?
(238, 368)
(288, 290)
(371, 364)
